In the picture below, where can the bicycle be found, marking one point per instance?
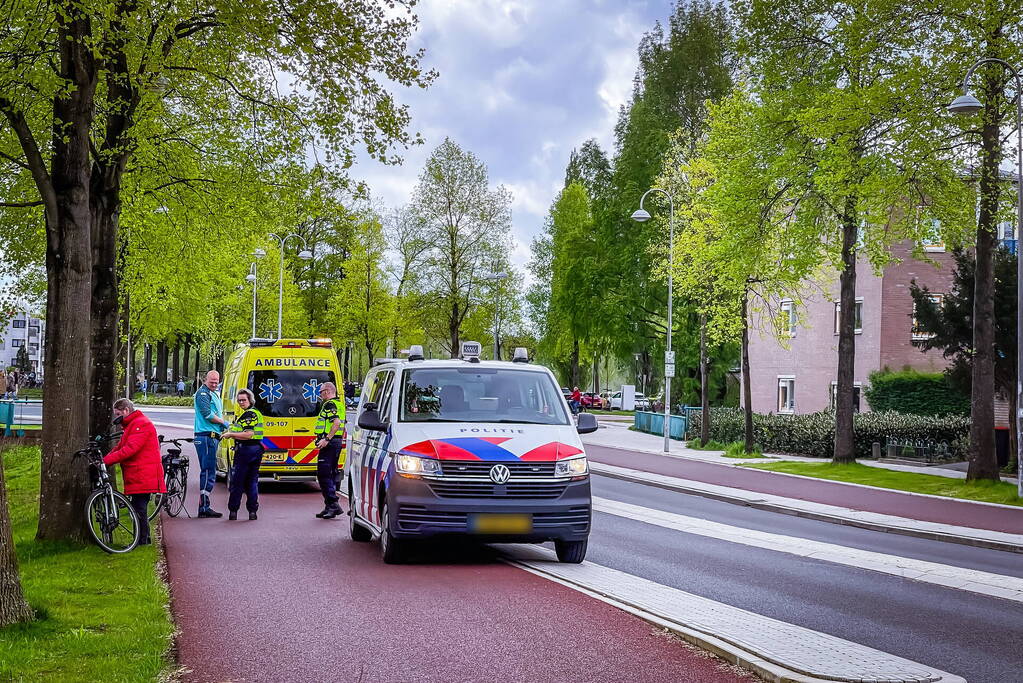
(111, 519)
(175, 469)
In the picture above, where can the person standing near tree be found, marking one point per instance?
(138, 453)
(209, 424)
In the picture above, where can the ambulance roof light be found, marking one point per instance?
(321, 341)
(520, 355)
(471, 351)
(259, 341)
(415, 352)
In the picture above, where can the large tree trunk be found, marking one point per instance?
(185, 357)
(63, 482)
(573, 368)
(103, 343)
(161, 362)
(13, 607)
(453, 331)
(704, 385)
(845, 447)
(176, 363)
(983, 460)
(747, 386)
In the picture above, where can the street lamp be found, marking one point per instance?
(305, 255)
(967, 104)
(495, 278)
(642, 216)
(251, 277)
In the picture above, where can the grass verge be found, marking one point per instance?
(737, 449)
(611, 412)
(100, 617)
(986, 491)
(712, 445)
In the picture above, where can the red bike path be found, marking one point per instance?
(292, 598)
(923, 508)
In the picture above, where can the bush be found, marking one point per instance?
(814, 434)
(152, 400)
(915, 393)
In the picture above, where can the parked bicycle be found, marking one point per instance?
(111, 520)
(175, 472)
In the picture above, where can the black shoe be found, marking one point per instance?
(233, 515)
(331, 513)
(252, 516)
(210, 512)
(322, 512)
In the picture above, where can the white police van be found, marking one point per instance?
(467, 447)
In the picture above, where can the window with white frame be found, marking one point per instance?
(15, 343)
(786, 394)
(857, 386)
(858, 316)
(788, 317)
(932, 239)
(918, 332)
(18, 324)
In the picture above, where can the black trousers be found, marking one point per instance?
(140, 503)
(326, 470)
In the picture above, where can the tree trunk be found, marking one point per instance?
(596, 374)
(103, 343)
(198, 366)
(161, 362)
(64, 484)
(747, 385)
(704, 385)
(845, 446)
(176, 364)
(983, 460)
(453, 330)
(185, 358)
(573, 370)
(13, 607)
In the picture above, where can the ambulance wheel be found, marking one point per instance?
(359, 533)
(392, 549)
(571, 552)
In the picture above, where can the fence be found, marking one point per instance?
(16, 417)
(653, 423)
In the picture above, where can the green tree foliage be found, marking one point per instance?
(362, 305)
(915, 393)
(21, 361)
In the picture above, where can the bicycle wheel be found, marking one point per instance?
(155, 503)
(177, 485)
(112, 521)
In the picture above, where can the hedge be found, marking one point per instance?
(916, 393)
(813, 434)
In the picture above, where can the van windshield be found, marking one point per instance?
(288, 393)
(480, 395)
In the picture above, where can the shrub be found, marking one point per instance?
(814, 434)
(915, 393)
(152, 400)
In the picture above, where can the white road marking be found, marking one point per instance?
(972, 580)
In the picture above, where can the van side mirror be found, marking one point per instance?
(370, 419)
(586, 424)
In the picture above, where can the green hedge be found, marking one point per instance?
(916, 393)
(814, 434)
(153, 400)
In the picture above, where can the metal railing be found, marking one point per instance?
(19, 415)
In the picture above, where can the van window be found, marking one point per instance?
(480, 395)
(288, 393)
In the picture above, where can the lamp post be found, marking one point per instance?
(305, 255)
(967, 104)
(495, 278)
(642, 216)
(251, 277)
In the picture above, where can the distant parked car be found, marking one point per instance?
(590, 400)
(642, 402)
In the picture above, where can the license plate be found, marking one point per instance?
(275, 457)
(501, 524)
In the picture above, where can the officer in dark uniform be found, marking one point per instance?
(330, 441)
(247, 432)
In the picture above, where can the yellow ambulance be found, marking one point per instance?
(285, 376)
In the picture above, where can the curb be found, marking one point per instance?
(932, 535)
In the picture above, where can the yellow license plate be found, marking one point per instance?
(501, 524)
(275, 457)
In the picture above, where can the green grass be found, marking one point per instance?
(712, 445)
(30, 393)
(737, 449)
(987, 491)
(610, 412)
(100, 617)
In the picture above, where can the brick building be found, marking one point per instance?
(797, 372)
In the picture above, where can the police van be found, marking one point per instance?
(285, 376)
(467, 447)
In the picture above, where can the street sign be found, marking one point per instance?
(669, 357)
(669, 369)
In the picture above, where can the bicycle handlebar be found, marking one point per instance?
(178, 441)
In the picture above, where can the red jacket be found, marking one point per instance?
(138, 451)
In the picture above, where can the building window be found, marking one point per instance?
(932, 240)
(33, 348)
(918, 332)
(1006, 231)
(786, 394)
(787, 316)
(15, 343)
(856, 395)
(857, 322)
(18, 324)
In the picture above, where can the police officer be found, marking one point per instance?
(247, 432)
(330, 441)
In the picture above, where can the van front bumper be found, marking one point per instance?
(418, 512)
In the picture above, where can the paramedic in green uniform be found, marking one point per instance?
(330, 441)
(247, 432)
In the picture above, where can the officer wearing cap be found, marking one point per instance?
(330, 441)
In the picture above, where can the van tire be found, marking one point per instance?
(570, 552)
(392, 549)
(359, 533)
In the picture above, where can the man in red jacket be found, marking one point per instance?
(138, 452)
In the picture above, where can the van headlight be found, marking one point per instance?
(572, 467)
(413, 465)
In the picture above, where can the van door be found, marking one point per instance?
(371, 447)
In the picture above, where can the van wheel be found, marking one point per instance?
(392, 549)
(570, 552)
(358, 532)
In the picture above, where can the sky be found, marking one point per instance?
(521, 83)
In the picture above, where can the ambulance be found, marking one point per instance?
(466, 447)
(285, 376)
